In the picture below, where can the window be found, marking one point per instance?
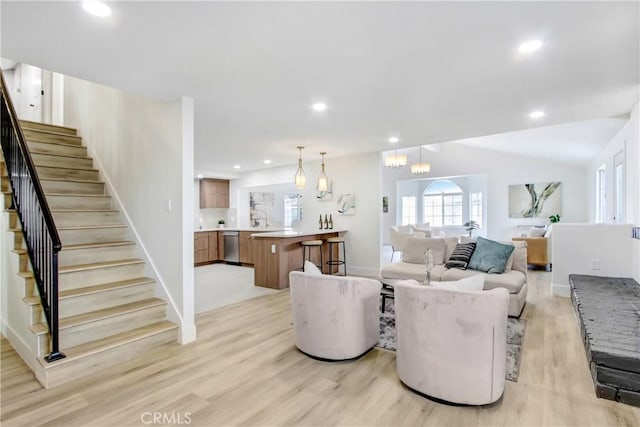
(618, 163)
(601, 191)
(408, 210)
(292, 209)
(442, 204)
(475, 202)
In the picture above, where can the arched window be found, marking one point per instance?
(442, 203)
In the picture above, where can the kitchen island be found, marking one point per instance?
(278, 253)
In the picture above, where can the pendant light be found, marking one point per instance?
(395, 160)
(323, 181)
(420, 168)
(300, 178)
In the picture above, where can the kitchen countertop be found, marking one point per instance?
(296, 233)
(255, 230)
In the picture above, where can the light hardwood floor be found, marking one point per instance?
(245, 370)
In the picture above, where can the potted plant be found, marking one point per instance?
(554, 219)
(221, 223)
(470, 226)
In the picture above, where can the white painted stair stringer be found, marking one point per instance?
(173, 313)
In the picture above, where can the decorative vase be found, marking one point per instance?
(428, 262)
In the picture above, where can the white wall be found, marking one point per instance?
(627, 140)
(501, 170)
(357, 174)
(576, 245)
(144, 150)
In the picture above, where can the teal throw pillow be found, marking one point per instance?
(490, 256)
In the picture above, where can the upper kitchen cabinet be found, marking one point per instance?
(214, 193)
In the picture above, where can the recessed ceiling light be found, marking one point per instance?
(236, 166)
(530, 46)
(319, 106)
(200, 176)
(96, 8)
(394, 140)
(537, 114)
(267, 162)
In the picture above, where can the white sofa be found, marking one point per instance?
(412, 266)
(334, 317)
(451, 345)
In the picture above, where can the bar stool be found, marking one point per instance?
(307, 246)
(337, 241)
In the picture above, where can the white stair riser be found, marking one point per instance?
(35, 126)
(78, 202)
(97, 276)
(64, 373)
(36, 315)
(62, 149)
(103, 328)
(70, 187)
(61, 161)
(95, 235)
(69, 219)
(107, 299)
(92, 255)
(64, 173)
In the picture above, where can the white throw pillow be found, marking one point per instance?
(472, 283)
(404, 229)
(415, 248)
(536, 232)
(311, 269)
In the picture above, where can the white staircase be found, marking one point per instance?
(108, 312)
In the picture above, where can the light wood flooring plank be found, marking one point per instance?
(244, 370)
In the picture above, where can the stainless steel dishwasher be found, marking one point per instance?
(231, 239)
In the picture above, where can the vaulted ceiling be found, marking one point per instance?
(426, 72)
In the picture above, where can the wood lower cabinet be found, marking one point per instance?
(208, 247)
(213, 246)
(246, 247)
(201, 248)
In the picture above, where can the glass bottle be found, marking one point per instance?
(326, 222)
(330, 222)
(320, 222)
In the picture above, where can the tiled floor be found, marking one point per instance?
(218, 285)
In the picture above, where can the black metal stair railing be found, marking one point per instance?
(40, 234)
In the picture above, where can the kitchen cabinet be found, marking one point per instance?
(213, 246)
(220, 245)
(214, 193)
(246, 247)
(201, 248)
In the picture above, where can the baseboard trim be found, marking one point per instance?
(560, 290)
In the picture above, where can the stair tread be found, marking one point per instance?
(102, 264)
(65, 144)
(87, 290)
(77, 195)
(28, 124)
(93, 347)
(45, 153)
(92, 266)
(91, 227)
(97, 245)
(105, 313)
(84, 181)
(68, 167)
(84, 210)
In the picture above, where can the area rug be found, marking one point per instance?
(515, 335)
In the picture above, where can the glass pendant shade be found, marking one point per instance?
(420, 168)
(300, 178)
(323, 181)
(395, 160)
